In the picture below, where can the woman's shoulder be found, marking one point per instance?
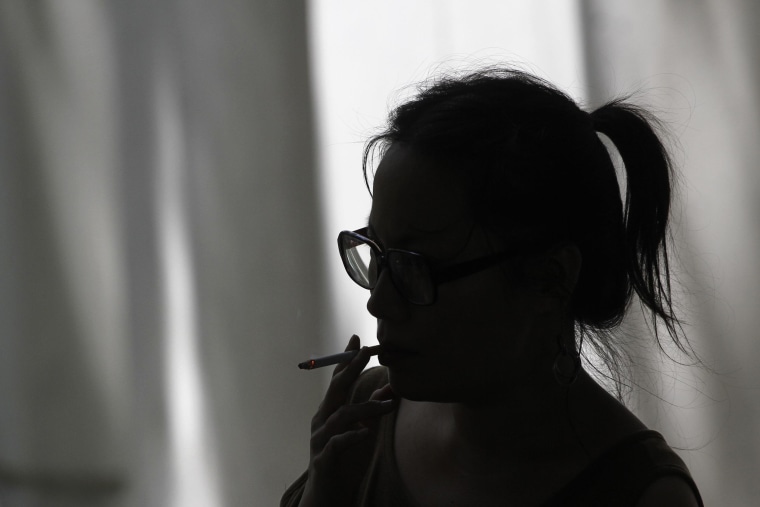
(668, 480)
(641, 470)
(627, 463)
(673, 491)
(663, 477)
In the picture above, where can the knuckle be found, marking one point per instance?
(316, 422)
(319, 461)
(330, 448)
(336, 420)
(340, 378)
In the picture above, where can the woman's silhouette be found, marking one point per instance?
(497, 246)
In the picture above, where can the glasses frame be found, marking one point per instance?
(437, 275)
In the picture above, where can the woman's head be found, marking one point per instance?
(530, 170)
(480, 316)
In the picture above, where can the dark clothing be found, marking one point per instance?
(617, 478)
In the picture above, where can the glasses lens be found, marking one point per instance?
(412, 277)
(410, 273)
(359, 260)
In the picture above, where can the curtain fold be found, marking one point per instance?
(62, 371)
(160, 257)
(696, 65)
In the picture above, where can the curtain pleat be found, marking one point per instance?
(161, 259)
(695, 64)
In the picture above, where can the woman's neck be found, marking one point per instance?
(536, 424)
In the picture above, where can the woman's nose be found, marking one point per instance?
(385, 302)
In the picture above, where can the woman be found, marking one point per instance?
(498, 245)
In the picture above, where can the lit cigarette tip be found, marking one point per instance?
(307, 365)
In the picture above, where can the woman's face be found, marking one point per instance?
(486, 333)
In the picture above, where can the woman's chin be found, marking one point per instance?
(416, 387)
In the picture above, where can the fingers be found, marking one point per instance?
(337, 445)
(353, 344)
(340, 386)
(341, 430)
(384, 393)
(344, 376)
(345, 419)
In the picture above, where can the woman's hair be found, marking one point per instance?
(534, 163)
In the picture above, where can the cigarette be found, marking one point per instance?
(343, 357)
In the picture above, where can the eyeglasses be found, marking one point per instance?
(410, 272)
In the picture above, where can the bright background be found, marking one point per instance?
(173, 175)
(367, 59)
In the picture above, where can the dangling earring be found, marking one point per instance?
(567, 364)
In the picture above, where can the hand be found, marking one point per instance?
(342, 436)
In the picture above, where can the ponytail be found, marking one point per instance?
(535, 171)
(646, 208)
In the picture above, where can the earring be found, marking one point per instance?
(567, 364)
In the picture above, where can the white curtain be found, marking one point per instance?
(160, 259)
(698, 64)
(167, 245)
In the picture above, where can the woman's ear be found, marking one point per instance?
(555, 273)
